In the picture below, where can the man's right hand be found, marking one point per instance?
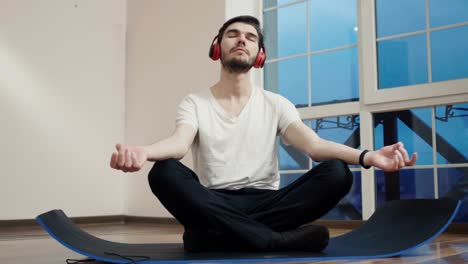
(128, 158)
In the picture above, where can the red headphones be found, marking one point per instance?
(215, 53)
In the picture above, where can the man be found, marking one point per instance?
(231, 201)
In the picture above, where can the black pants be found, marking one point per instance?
(249, 215)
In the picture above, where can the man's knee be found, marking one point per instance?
(162, 171)
(339, 175)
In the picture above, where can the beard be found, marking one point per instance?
(236, 65)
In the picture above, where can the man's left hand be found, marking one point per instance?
(390, 158)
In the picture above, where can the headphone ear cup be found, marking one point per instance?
(215, 51)
(260, 60)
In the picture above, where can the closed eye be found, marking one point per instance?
(252, 37)
(232, 33)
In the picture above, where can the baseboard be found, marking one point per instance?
(458, 228)
(150, 220)
(340, 224)
(107, 219)
(453, 228)
(76, 220)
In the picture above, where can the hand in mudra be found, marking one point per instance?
(391, 158)
(128, 158)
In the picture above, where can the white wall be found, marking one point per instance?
(73, 82)
(62, 66)
(167, 57)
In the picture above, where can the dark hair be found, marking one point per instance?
(250, 20)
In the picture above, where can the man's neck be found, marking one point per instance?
(233, 85)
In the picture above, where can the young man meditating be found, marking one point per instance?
(231, 199)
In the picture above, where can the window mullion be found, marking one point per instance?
(428, 44)
(367, 49)
(309, 80)
(434, 154)
(368, 86)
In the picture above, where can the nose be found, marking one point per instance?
(241, 39)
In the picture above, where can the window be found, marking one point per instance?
(421, 41)
(308, 47)
(440, 137)
(293, 164)
(398, 71)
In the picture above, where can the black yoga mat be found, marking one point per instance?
(395, 228)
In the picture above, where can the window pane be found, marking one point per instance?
(449, 179)
(290, 158)
(452, 183)
(446, 12)
(332, 23)
(402, 61)
(412, 127)
(288, 78)
(452, 131)
(400, 16)
(341, 129)
(350, 207)
(335, 77)
(449, 50)
(285, 31)
(288, 178)
(269, 3)
(414, 184)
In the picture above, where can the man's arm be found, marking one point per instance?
(129, 158)
(175, 146)
(389, 158)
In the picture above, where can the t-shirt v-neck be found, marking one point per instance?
(227, 116)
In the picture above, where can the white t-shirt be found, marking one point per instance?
(237, 152)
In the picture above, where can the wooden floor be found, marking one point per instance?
(33, 245)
